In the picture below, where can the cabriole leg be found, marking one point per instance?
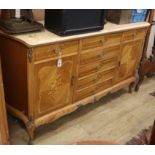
(30, 129)
(131, 86)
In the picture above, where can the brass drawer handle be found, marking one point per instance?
(102, 40)
(134, 35)
(53, 51)
(99, 56)
(94, 80)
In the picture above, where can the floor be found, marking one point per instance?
(117, 117)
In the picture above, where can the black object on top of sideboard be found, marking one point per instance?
(73, 21)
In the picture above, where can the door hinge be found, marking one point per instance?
(29, 55)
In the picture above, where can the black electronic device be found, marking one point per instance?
(74, 21)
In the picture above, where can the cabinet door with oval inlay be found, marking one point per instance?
(53, 85)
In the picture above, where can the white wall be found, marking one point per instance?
(151, 39)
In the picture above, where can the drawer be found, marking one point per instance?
(106, 75)
(87, 81)
(108, 64)
(110, 53)
(90, 57)
(101, 41)
(129, 35)
(134, 34)
(92, 42)
(53, 50)
(112, 39)
(104, 85)
(88, 69)
(83, 93)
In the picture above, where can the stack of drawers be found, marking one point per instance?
(98, 64)
(104, 58)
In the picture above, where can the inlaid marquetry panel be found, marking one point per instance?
(53, 85)
(130, 55)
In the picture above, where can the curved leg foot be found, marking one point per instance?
(137, 88)
(30, 142)
(139, 83)
(30, 128)
(131, 86)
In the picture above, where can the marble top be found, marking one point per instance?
(46, 37)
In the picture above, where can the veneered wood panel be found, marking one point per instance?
(105, 41)
(4, 135)
(53, 50)
(14, 67)
(86, 81)
(53, 85)
(130, 56)
(86, 92)
(90, 57)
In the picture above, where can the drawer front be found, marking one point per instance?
(104, 85)
(92, 42)
(90, 57)
(129, 35)
(101, 41)
(112, 39)
(86, 82)
(106, 75)
(140, 33)
(108, 64)
(86, 70)
(110, 53)
(134, 34)
(53, 50)
(81, 94)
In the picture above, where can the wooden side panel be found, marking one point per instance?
(3, 120)
(14, 67)
(137, 50)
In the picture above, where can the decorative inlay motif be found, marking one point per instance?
(54, 86)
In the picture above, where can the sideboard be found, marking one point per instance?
(47, 76)
(4, 135)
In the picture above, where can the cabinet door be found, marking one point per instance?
(3, 120)
(129, 58)
(53, 85)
